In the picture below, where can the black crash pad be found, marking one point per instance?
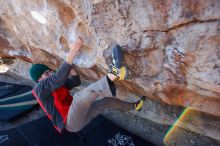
(12, 138)
(15, 101)
(99, 132)
(102, 132)
(38, 133)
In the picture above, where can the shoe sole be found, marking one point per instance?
(117, 56)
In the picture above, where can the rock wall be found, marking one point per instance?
(18, 72)
(171, 47)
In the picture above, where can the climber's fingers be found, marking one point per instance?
(77, 45)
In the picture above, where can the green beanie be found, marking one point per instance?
(37, 70)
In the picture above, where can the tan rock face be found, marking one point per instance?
(171, 47)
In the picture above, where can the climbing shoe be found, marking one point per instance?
(117, 67)
(139, 104)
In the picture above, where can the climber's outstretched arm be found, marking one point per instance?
(59, 78)
(74, 49)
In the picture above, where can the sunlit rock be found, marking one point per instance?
(171, 48)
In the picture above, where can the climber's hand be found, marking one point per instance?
(74, 49)
(76, 46)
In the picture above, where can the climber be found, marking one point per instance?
(73, 113)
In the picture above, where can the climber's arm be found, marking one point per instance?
(60, 77)
(74, 49)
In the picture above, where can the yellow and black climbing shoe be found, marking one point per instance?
(117, 67)
(120, 73)
(117, 56)
(139, 104)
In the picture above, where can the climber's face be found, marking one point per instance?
(46, 74)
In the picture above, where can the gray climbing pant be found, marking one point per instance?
(85, 107)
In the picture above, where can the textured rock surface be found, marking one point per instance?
(18, 72)
(171, 47)
(155, 132)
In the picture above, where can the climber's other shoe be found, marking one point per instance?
(117, 67)
(139, 104)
